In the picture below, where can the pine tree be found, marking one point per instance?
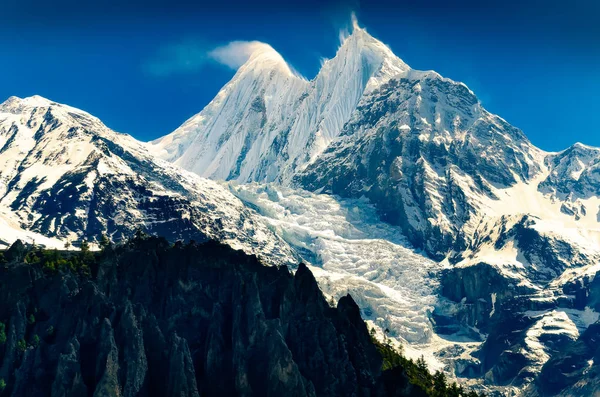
(422, 364)
(454, 390)
(105, 242)
(422, 376)
(140, 235)
(2, 333)
(439, 384)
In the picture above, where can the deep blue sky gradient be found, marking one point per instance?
(535, 63)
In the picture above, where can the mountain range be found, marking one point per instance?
(454, 234)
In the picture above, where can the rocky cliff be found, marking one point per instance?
(154, 319)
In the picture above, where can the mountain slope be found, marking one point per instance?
(65, 175)
(424, 150)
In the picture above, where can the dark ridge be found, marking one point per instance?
(150, 318)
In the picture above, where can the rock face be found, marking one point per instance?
(423, 150)
(194, 320)
(527, 293)
(576, 174)
(574, 371)
(573, 368)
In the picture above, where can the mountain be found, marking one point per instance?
(514, 230)
(267, 122)
(425, 151)
(65, 176)
(156, 319)
(455, 235)
(575, 177)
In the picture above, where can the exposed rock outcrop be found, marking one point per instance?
(196, 320)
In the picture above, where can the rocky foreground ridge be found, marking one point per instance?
(149, 318)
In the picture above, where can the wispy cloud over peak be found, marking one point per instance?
(178, 58)
(191, 56)
(236, 53)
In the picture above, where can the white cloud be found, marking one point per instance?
(184, 57)
(191, 56)
(236, 53)
(347, 31)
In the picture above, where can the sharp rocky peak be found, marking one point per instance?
(361, 40)
(357, 49)
(362, 53)
(582, 148)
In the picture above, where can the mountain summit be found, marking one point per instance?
(267, 122)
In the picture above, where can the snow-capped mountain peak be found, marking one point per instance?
(14, 102)
(262, 57)
(26, 107)
(267, 122)
(65, 175)
(374, 59)
(575, 174)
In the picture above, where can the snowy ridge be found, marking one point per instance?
(65, 175)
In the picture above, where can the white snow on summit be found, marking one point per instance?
(268, 122)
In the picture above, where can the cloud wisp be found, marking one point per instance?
(236, 53)
(178, 58)
(192, 56)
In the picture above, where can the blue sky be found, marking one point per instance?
(144, 67)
